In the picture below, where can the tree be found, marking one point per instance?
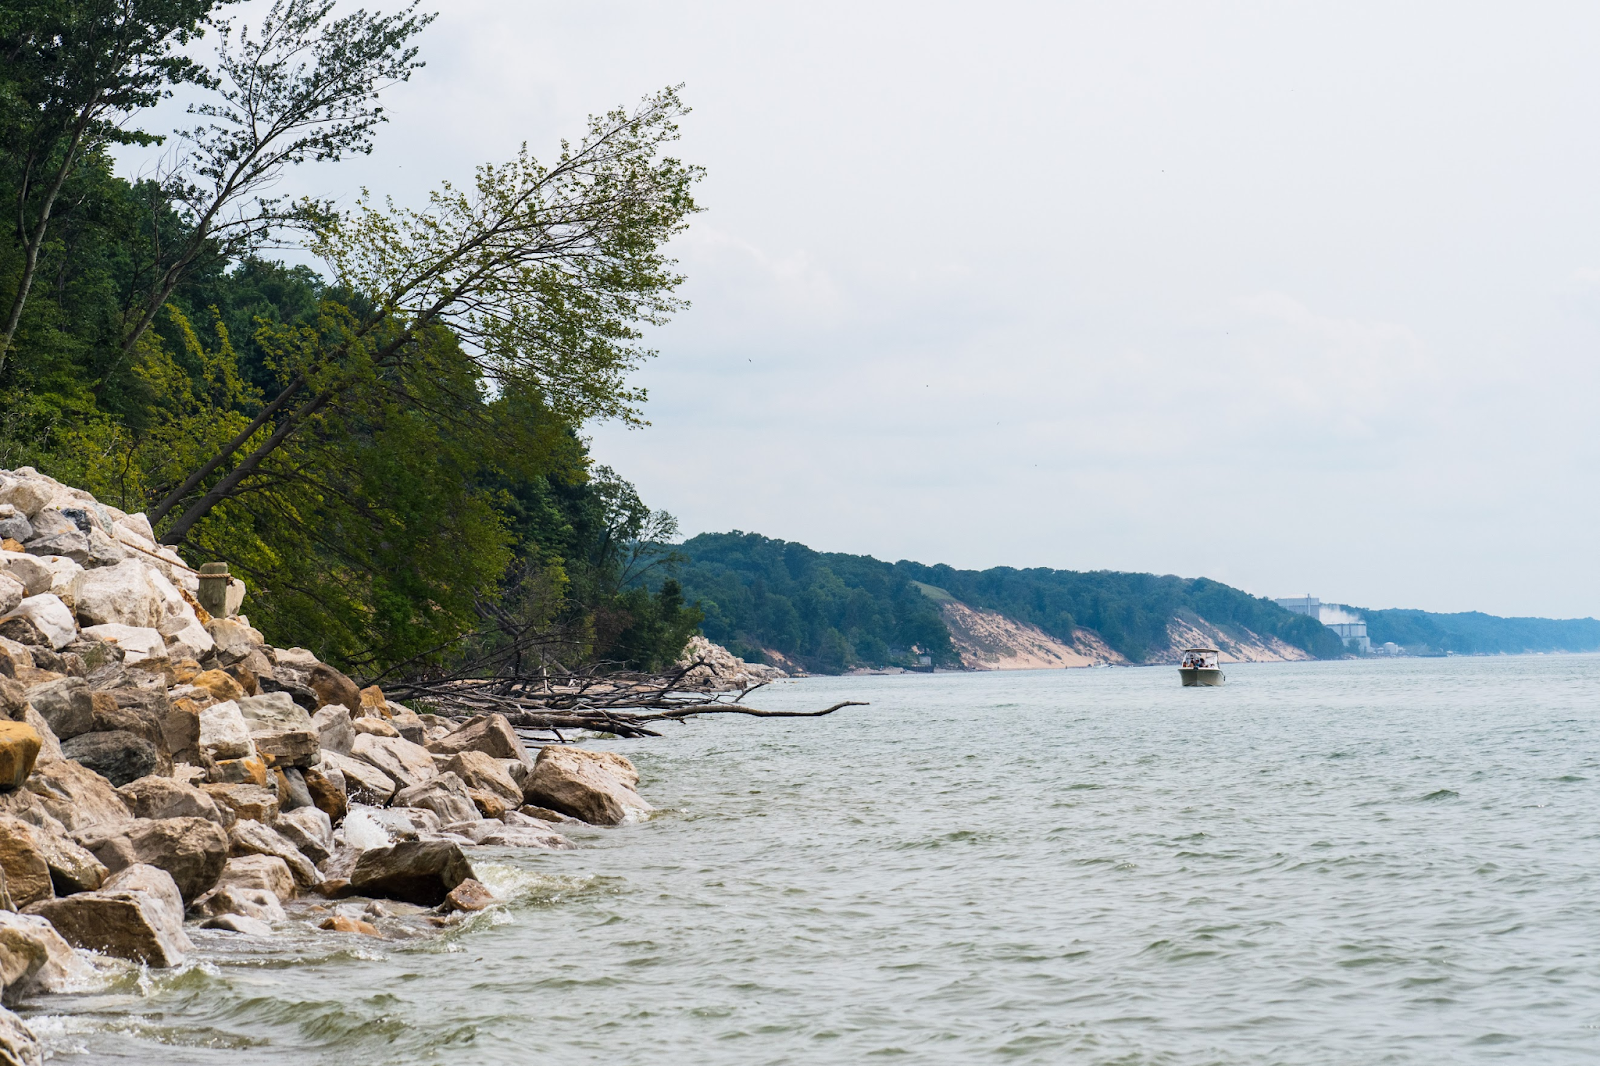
(304, 87)
(74, 71)
(546, 274)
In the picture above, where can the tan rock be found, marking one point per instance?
(289, 747)
(250, 771)
(245, 801)
(373, 701)
(469, 895)
(137, 915)
(67, 704)
(27, 875)
(422, 872)
(328, 791)
(489, 733)
(333, 687)
(220, 685)
(256, 871)
(364, 783)
(258, 903)
(59, 969)
(76, 796)
(373, 727)
(443, 794)
(486, 774)
(163, 797)
(489, 805)
(19, 748)
(72, 868)
(253, 838)
(343, 923)
(192, 850)
(308, 829)
(407, 763)
(594, 786)
(335, 731)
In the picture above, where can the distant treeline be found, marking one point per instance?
(832, 611)
(1475, 633)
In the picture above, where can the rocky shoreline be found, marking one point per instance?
(163, 767)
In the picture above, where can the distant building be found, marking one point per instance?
(1349, 626)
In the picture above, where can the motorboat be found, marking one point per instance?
(1201, 666)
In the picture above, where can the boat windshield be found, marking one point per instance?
(1198, 659)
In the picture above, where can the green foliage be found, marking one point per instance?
(828, 611)
(1474, 633)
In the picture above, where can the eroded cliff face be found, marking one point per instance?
(989, 640)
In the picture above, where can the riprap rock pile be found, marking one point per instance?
(719, 670)
(161, 766)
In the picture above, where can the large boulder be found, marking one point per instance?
(250, 802)
(12, 593)
(255, 903)
(419, 871)
(309, 830)
(253, 838)
(76, 796)
(137, 642)
(257, 871)
(364, 782)
(71, 867)
(27, 875)
(49, 616)
(486, 774)
(59, 968)
(192, 850)
(289, 747)
(18, 1045)
(328, 790)
(220, 684)
(117, 755)
(593, 786)
(163, 797)
(274, 712)
(66, 704)
(137, 914)
(334, 731)
(224, 733)
(443, 794)
(489, 733)
(407, 763)
(123, 594)
(19, 749)
(333, 687)
(32, 571)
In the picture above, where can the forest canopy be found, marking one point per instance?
(388, 446)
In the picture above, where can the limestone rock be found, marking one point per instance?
(27, 875)
(479, 771)
(192, 850)
(118, 755)
(422, 872)
(251, 770)
(444, 795)
(289, 747)
(364, 783)
(594, 786)
(238, 923)
(49, 616)
(136, 642)
(19, 749)
(407, 763)
(30, 570)
(253, 838)
(333, 687)
(408, 724)
(74, 546)
(162, 797)
(374, 727)
(66, 704)
(267, 873)
(244, 801)
(123, 594)
(326, 786)
(274, 712)
(219, 684)
(137, 915)
(76, 796)
(18, 1045)
(29, 495)
(12, 593)
(334, 730)
(224, 733)
(489, 733)
(308, 829)
(60, 968)
(258, 903)
(344, 923)
(469, 895)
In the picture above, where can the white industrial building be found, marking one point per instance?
(1352, 629)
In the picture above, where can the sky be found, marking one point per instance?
(1300, 297)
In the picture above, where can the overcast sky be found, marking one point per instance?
(1301, 297)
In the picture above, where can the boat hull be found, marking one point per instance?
(1198, 676)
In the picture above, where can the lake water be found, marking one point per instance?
(1344, 862)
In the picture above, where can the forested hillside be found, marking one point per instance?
(387, 448)
(832, 611)
(1474, 633)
